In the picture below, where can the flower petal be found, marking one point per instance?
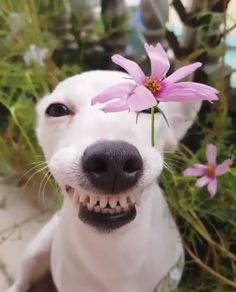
(120, 90)
(183, 72)
(211, 154)
(194, 171)
(212, 187)
(159, 61)
(201, 182)
(141, 99)
(131, 67)
(115, 106)
(185, 92)
(223, 167)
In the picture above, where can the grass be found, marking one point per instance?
(208, 226)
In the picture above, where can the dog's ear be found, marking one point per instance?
(180, 117)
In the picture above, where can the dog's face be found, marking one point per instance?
(103, 162)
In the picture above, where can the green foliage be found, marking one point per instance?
(24, 23)
(207, 224)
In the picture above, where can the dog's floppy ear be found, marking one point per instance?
(180, 117)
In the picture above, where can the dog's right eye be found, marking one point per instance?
(57, 110)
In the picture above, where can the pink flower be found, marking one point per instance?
(144, 92)
(208, 172)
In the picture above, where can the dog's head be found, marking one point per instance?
(104, 162)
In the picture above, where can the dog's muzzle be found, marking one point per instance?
(112, 168)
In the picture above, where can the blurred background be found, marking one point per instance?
(42, 42)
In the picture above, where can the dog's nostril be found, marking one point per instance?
(132, 165)
(96, 165)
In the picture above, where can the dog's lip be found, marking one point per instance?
(106, 222)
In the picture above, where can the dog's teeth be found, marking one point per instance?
(92, 200)
(82, 198)
(126, 208)
(113, 202)
(104, 211)
(132, 199)
(90, 208)
(97, 209)
(118, 209)
(123, 202)
(111, 211)
(103, 201)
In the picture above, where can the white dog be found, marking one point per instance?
(114, 232)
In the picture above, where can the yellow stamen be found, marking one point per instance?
(153, 85)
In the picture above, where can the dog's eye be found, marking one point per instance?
(57, 110)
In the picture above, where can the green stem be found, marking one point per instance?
(153, 126)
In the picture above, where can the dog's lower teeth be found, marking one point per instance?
(111, 211)
(97, 209)
(90, 208)
(118, 209)
(126, 208)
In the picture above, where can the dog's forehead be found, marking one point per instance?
(83, 87)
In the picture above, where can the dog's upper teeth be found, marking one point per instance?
(123, 202)
(113, 202)
(82, 198)
(106, 204)
(103, 201)
(92, 201)
(132, 199)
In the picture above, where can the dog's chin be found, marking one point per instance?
(104, 212)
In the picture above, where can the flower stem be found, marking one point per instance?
(153, 126)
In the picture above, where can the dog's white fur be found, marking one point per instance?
(135, 257)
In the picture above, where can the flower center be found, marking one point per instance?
(210, 171)
(153, 85)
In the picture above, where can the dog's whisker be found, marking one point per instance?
(167, 167)
(33, 175)
(174, 161)
(42, 186)
(29, 170)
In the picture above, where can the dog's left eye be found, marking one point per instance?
(57, 110)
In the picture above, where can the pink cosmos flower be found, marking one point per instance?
(208, 172)
(144, 92)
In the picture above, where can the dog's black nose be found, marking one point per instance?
(112, 166)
